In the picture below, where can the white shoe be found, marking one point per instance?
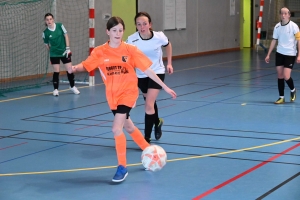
(55, 93)
(75, 90)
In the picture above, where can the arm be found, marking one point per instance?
(46, 41)
(78, 68)
(298, 57)
(150, 73)
(272, 45)
(67, 40)
(169, 57)
(67, 52)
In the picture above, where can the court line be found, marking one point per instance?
(136, 164)
(13, 146)
(244, 173)
(36, 95)
(205, 66)
(278, 186)
(49, 149)
(91, 126)
(211, 103)
(211, 95)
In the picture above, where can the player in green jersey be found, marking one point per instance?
(57, 42)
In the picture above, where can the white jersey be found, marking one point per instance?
(285, 34)
(152, 49)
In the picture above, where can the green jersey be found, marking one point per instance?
(55, 39)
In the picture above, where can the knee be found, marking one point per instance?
(129, 129)
(116, 131)
(149, 108)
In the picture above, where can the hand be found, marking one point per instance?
(267, 59)
(73, 69)
(298, 59)
(170, 69)
(67, 52)
(171, 92)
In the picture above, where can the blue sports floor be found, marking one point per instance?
(224, 137)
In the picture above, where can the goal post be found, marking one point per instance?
(24, 59)
(74, 15)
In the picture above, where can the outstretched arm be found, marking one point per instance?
(78, 68)
(150, 73)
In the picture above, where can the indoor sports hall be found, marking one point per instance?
(225, 138)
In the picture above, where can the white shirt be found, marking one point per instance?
(285, 34)
(152, 49)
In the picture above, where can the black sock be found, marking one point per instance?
(290, 83)
(149, 121)
(71, 79)
(55, 80)
(281, 87)
(156, 114)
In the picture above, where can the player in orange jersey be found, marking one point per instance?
(116, 61)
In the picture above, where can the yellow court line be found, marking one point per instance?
(136, 164)
(26, 97)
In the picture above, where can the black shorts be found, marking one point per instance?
(122, 109)
(146, 83)
(285, 61)
(56, 60)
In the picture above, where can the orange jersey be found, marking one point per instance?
(116, 67)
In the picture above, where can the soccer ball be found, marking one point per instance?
(154, 158)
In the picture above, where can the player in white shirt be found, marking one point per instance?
(150, 43)
(288, 36)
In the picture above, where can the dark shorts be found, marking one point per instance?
(285, 61)
(146, 83)
(123, 110)
(56, 60)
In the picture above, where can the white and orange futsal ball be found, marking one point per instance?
(154, 158)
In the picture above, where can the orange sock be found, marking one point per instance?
(120, 142)
(138, 138)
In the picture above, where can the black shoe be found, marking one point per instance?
(158, 131)
(148, 140)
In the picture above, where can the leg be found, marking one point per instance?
(151, 107)
(290, 83)
(120, 142)
(55, 79)
(288, 79)
(280, 83)
(68, 65)
(70, 75)
(136, 134)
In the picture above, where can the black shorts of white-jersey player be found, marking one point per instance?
(57, 42)
(150, 43)
(287, 34)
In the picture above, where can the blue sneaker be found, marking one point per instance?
(120, 174)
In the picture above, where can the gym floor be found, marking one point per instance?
(224, 137)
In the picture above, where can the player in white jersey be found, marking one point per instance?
(150, 43)
(288, 36)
